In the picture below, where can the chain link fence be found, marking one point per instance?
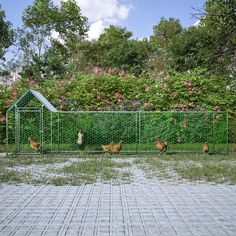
(57, 132)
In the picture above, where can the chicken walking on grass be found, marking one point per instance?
(34, 145)
(116, 148)
(106, 148)
(205, 147)
(161, 146)
(80, 140)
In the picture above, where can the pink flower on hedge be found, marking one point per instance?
(187, 84)
(32, 82)
(97, 70)
(119, 96)
(2, 119)
(8, 101)
(111, 71)
(14, 95)
(99, 97)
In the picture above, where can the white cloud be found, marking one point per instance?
(95, 30)
(197, 23)
(56, 36)
(102, 13)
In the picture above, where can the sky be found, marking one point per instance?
(138, 16)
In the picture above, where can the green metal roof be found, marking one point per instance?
(28, 96)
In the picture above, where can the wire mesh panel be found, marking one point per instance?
(99, 128)
(153, 125)
(46, 130)
(11, 133)
(183, 131)
(133, 131)
(220, 132)
(29, 131)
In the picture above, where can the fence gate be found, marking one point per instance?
(28, 123)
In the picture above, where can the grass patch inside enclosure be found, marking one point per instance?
(87, 169)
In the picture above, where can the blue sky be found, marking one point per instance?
(138, 16)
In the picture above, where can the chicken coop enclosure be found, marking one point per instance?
(57, 132)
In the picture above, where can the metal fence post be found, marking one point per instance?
(227, 133)
(51, 130)
(58, 132)
(6, 134)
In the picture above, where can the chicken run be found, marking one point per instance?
(34, 126)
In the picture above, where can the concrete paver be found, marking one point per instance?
(151, 208)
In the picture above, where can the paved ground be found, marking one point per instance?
(151, 208)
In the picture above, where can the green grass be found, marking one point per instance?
(207, 171)
(119, 168)
(89, 169)
(129, 147)
(215, 169)
(103, 170)
(13, 176)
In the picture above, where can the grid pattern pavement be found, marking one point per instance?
(151, 208)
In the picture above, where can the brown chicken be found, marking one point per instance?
(205, 147)
(106, 148)
(33, 144)
(161, 146)
(117, 147)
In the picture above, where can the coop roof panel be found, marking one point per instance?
(28, 96)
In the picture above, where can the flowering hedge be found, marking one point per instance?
(103, 90)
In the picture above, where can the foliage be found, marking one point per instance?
(105, 91)
(191, 49)
(118, 51)
(196, 91)
(6, 34)
(211, 44)
(220, 20)
(41, 52)
(177, 69)
(163, 35)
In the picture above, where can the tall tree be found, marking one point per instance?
(220, 20)
(163, 35)
(119, 51)
(6, 34)
(191, 49)
(39, 48)
(72, 28)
